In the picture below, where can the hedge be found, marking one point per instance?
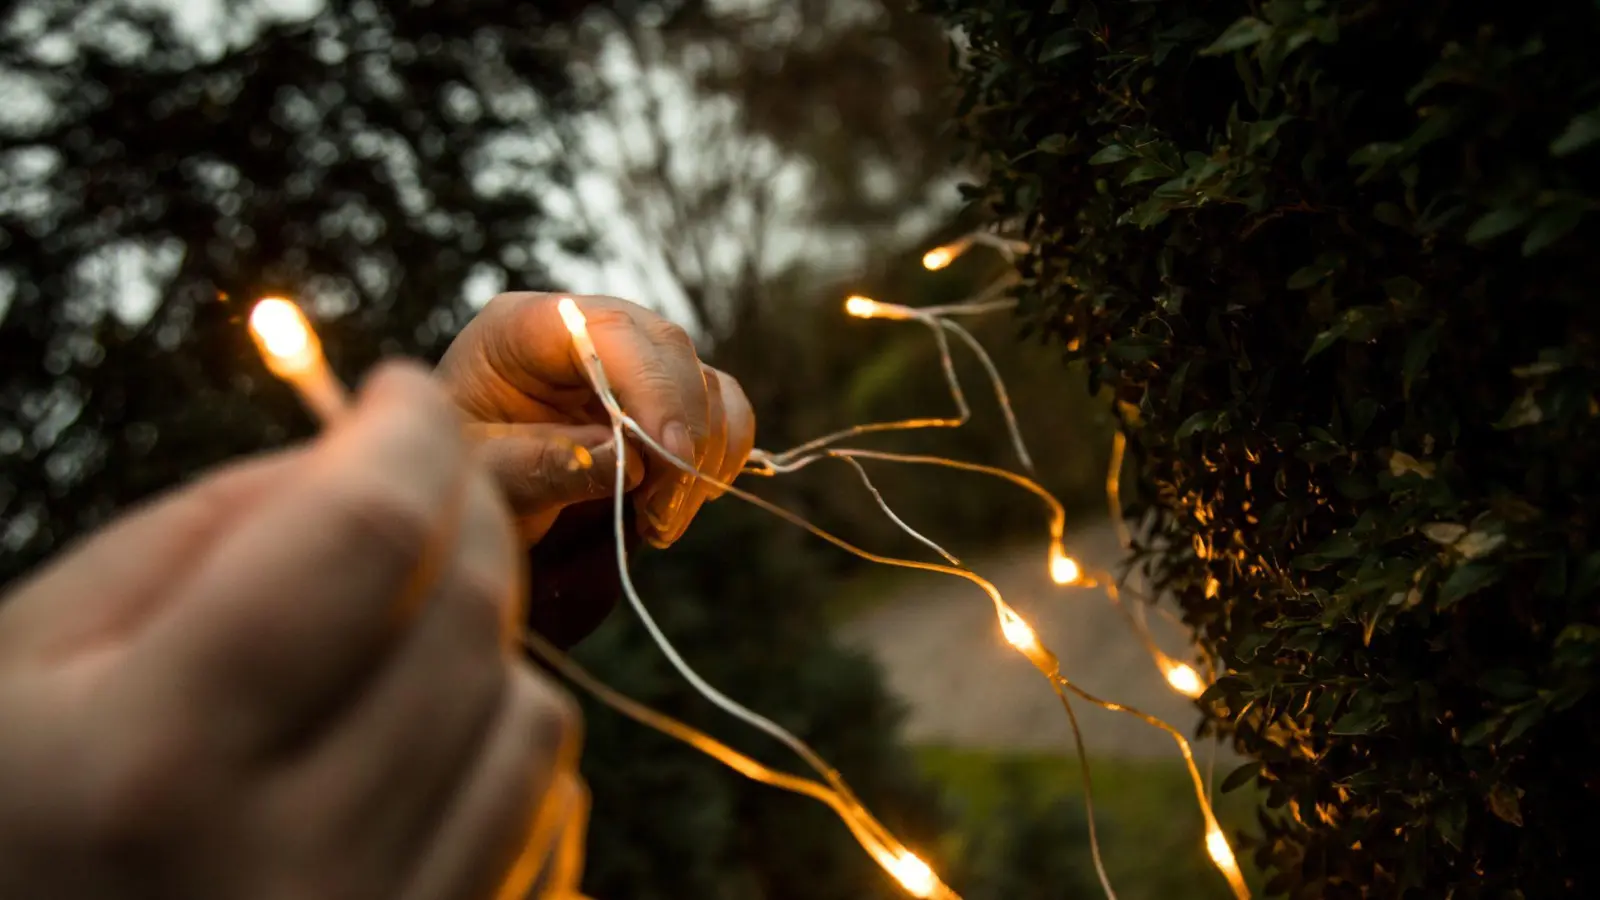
(1337, 262)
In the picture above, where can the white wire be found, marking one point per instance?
(999, 392)
(722, 701)
(883, 505)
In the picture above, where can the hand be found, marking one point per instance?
(514, 365)
(296, 678)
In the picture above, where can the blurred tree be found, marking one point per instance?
(370, 157)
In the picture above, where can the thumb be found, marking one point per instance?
(543, 468)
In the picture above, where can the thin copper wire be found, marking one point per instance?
(1072, 716)
(988, 587)
(963, 411)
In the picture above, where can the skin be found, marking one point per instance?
(299, 675)
(514, 364)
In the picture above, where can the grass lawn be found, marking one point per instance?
(1151, 833)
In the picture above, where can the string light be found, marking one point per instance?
(1064, 570)
(289, 345)
(291, 350)
(914, 875)
(940, 257)
(1222, 854)
(906, 867)
(1022, 636)
(1183, 678)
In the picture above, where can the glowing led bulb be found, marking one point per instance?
(578, 327)
(1019, 634)
(572, 317)
(287, 343)
(292, 352)
(937, 258)
(1063, 568)
(1222, 855)
(913, 874)
(861, 307)
(1183, 678)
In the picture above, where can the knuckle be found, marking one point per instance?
(671, 335)
(554, 725)
(602, 318)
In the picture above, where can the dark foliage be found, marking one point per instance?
(340, 156)
(681, 826)
(1336, 262)
(1034, 847)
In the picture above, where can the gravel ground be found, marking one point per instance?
(942, 653)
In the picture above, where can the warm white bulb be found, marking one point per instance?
(280, 326)
(1184, 679)
(288, 345)
(913, 874)
(861, 307)
(572, 317)
(1220, 852)
(937, 258)
(1222, 855)
(1018, 633)
(1063, 568)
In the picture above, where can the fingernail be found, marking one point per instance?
(680, 494)
(678, 443)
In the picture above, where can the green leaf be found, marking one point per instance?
(1391, 214)
(1241, 776)
(1196, 422)
(1147, 171)
(1583, 130)
(1506, 683)
(1527, 717)
(1223, 690)
(1358, 722)
(1480, 733)
(1452, 822)
(1110, 153)
(1465, 581)
(1246, 32)
(1340, 546)
(1497, 222)
(1055, 143)
(1504, 803)
(1059, 44)
(1418, 351)
(1552, 226)
(1325, 340)
(1307, 277)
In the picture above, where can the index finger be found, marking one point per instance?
(295, 606)
(650, 362)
